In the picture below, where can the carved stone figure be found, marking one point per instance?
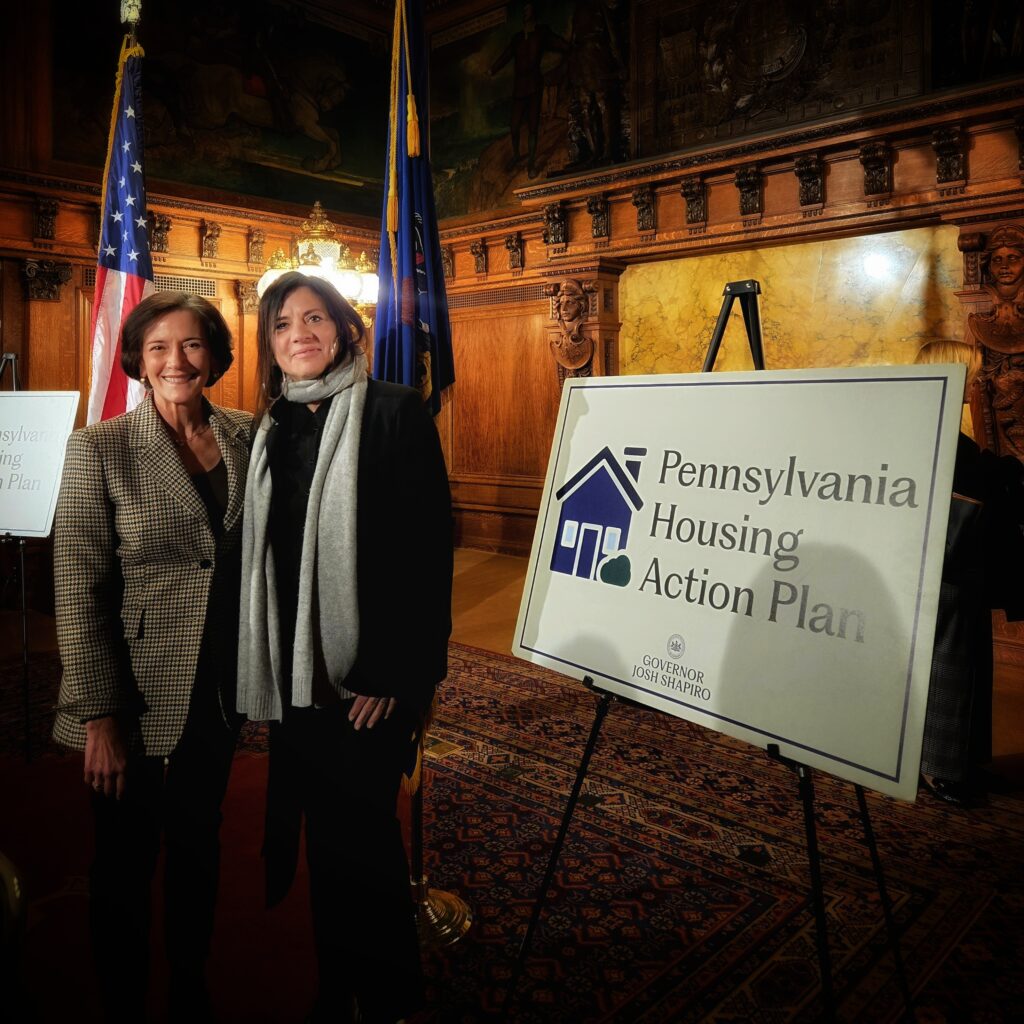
(556, 225)
(811, 174)
(999, 334)
(46, 217)
(160, 226)
(1018, 126)
(948, 144)
(479, 253)
(209, 234)
(514, 244)
(248, 299)
(693, 191)
(748, 181)
(254, 247)
(643, 200)
(597, 207)
(875, 159)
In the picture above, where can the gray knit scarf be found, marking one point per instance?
(327, 575)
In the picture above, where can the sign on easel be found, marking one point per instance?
(34, 428)
(759, 553)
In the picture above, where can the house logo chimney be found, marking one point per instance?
(632, 458)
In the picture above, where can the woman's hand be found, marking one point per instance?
(105, 757)
(368, 710)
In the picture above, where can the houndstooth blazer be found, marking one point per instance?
(140, 577)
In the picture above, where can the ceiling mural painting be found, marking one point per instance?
(257, 99)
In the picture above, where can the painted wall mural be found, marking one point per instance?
(503, 88)
(528, 91)
(258, 99)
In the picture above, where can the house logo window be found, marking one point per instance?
(597, 507)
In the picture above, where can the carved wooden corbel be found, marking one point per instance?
(597, 207)
(970, 245)
(514, 244)
(571, 303)
(876, 160)
(46, 217)
(810, 172)
(556, 225)
(1019, 128)
(254, 246)
(646, 213)
(950, 156)
(160, 228)
(44, 279)
(479, 252)
(209, 235)
(748, 182)
(248, 300)
(693, 191)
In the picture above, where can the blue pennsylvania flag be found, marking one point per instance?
(412, 335)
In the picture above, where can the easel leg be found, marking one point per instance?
(883, 895)
(24, 649)
(549, 874)
(752, 322)
(817, 892)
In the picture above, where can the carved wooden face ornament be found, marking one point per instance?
(1006, 265)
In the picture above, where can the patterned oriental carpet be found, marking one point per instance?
(681, 894)
(682, 891)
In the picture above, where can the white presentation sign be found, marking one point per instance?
(34, 428)
(759, 553)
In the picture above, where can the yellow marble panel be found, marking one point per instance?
(842, 302)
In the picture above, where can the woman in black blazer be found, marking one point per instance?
(345, 618)
(147, 563)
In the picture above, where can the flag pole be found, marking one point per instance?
(442, 918)
(413, 347)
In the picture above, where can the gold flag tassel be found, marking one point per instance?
(396, 56)
(412, 141)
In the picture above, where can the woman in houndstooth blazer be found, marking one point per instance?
(147, 564)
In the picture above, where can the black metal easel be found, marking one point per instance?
(10, 359)
(747, 293)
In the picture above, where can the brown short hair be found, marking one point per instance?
(149, 310)
(351, 332)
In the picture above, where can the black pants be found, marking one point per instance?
(180, 802)
(345, 782)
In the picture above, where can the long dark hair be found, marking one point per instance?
(351, 332)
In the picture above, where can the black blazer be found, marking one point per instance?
(403, 551)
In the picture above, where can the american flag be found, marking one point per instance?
(124, 274)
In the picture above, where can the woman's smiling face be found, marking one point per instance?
(176, 358)
(305, 337)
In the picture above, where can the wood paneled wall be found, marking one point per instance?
(507, 269)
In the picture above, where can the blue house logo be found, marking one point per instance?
(597, 507)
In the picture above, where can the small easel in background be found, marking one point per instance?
(10, 360)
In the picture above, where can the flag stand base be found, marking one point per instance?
(441, 917)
